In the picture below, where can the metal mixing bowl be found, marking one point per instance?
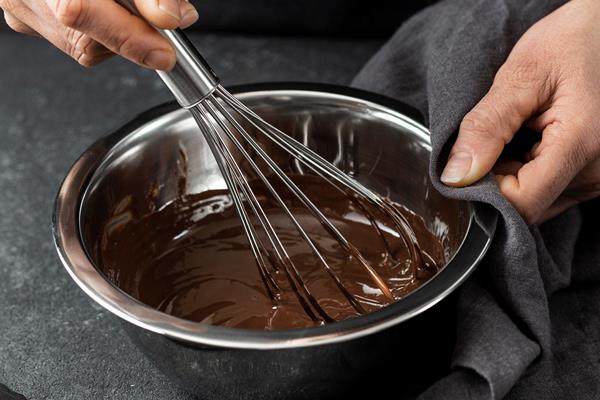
(378, 140)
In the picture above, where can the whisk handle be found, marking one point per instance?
(191, 79)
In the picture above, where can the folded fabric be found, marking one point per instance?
(7, 394)
(528, 324)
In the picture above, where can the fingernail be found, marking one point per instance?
(159, 59)
(190, 16)
(170, 7)
(457, 168)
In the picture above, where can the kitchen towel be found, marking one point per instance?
(528, 324)
(7, 394)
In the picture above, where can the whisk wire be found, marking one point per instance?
(216, 110)
(307, 203)
(327, 171)
(290, 269)
(218, 124)
(255, 245)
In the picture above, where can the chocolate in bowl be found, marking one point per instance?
(190, 258)
(377, 140)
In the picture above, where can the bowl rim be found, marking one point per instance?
(68, 243)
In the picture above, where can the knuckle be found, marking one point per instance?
(526, 73)
(480, 123)
(520, 74)
(531, 216)
(476, 123)
(70, 13)
(82, 43)
(126, 46)
(87, 61)
(123, 42)
(13, 10)
(529, 207)
(15, 24)
(9, 5)
(17, 27)
(78, 45)
(72, 37)
(90, 60)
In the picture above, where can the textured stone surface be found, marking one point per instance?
(54, 343)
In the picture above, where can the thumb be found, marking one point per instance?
(489, 126)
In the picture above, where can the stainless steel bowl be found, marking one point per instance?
(378, 140)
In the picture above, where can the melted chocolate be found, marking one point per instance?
(191, 258)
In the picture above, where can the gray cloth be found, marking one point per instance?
(7, 394)
(528, 324)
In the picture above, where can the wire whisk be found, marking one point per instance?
(231, 130)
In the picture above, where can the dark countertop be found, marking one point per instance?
(54, 342)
